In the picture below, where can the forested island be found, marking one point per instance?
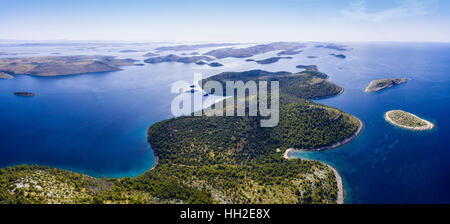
(289, 52)
(380, 84)
(62, 65)
(333, 47)
(25, 94)
(215, 64)
(341, 56)
(175, 58)
(215, 159)
(128, 51)
(150, 54)
(254, 50)
(407, 120)
(193, 46)
(269, 60)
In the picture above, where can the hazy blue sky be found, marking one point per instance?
(230, 20)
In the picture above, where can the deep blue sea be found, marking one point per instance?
(97, 123)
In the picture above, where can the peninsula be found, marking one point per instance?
(380, 84)
(407, 120)
(62, 65)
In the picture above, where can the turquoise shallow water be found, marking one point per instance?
(97, 123)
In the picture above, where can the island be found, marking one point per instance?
(217, 159)
(307, 67)
(270, 60)
(4, 75)
(193, 47)
(25, 94)
(333, 47)
(175, 58)
(150, 54)
(128, 51)
(289, 52)
(215, 64)
(380, 84)
(254, 50)
(62, 65)
(341, 56)
(407, 120)
(200, 63)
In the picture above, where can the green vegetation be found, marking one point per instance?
(214, 159)
(27, 94)
(309, 84)
(271, 60)
(341, 56)
(289, 52)
(254, 50)
(307, 67)
(175, 58)
(407, 120)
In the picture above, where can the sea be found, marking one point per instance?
(96, 123)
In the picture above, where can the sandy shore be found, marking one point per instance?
(426, 127)
(341, 193)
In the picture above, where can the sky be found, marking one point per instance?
(227, 20)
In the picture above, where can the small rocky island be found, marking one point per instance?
(4, 75)
(380, 84)
(407, 120)
(25, 94)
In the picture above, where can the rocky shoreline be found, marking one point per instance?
(337, 144)
(426, 127)
(340, 183)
